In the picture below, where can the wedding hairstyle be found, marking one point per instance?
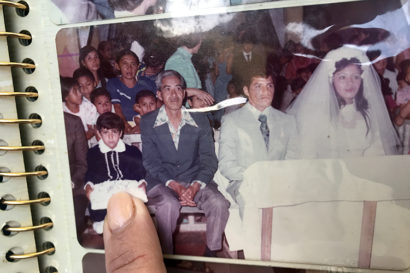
(361, 102)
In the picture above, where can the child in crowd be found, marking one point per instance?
(400, 81)
(196, 102)
(101, 100)
(124, 88)
(403, 94)
(73, 104)
(405, 70)
(112, 166)
(107, 62)
(233, 92)
(145, 102)
(86, 82)
(290, 94)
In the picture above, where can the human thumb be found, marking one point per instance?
(130, 239)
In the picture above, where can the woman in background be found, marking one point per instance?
(90, 59)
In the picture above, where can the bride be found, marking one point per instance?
(341, 112)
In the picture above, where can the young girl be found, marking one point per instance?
(341, 111)
(90, 60)
(73, 104)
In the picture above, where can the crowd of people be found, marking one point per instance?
(128, 119)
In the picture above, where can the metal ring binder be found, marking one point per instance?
(25, 202)
(15, 35)
(10, 256)
(19, 94)
(31, 255)
(30, 228)
(22, 148)
(20, 174)
(21, 65)
(20, 121)
(12, 4)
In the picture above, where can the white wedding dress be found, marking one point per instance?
(354, 139)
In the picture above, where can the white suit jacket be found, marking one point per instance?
(241, 142)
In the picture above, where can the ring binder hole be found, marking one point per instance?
(4, 178)
(48, 245)
(9, 224)
(7, 197)
(3, 143)
(13, 251)
(28, 70)
(25, 42)
(35, 116)
(38, 143)
(45, 220)
(51, 269)
(41, 168)
(31, 89)
(44, 195)
(23, 12)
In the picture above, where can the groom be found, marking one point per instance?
(255, 132)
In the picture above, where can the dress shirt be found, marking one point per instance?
(247, 56)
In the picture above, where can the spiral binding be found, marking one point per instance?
(13, 256)
(19, 94)
(29, 228)
(13, 4)
(20, 121)
(25, 202)
(24, 174)
(10, 256)
(15, 35)
(22, 148)
(20, 65)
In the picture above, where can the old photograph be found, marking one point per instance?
(295, 172)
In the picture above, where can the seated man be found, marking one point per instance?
(255, 132)
(179, 157)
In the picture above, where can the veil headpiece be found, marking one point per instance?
(316, 109)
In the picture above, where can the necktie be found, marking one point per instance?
(264, 129)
